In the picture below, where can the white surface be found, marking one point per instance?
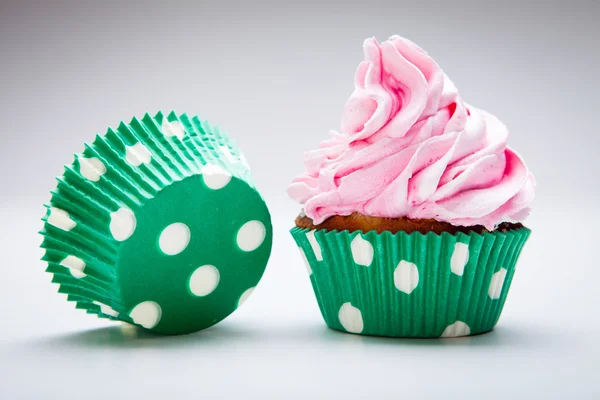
(276, 346)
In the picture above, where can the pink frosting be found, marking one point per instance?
(411, 147)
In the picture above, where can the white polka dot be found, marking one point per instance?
(244, 161)
(122, 224)
(458, 328)
(245, 296)
(251, 235)
(460, 258)
(204, 280)
(315, 245)
(173, 128)
(106, 309)
(406, 277)
(61, 219)
(306, 263)
(351, 318)
(76, 266)
(227, 152)
(496, 284)
(137, 155)
(146, 314)
(174, 238)
(91, 168)
(362, 251)
(215, 177)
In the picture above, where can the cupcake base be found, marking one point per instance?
(359, 222)
(411, 285)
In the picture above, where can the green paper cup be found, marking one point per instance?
(410, 285)
(158, 223)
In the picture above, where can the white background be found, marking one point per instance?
(276, 76)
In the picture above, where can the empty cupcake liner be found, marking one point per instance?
(410, 285)
(158, 223)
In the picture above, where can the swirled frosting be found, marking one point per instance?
(411, 147)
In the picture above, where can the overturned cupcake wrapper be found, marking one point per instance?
(411, 285)
(158, 223)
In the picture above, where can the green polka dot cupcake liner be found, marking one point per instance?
(158, 223)
(410, 285)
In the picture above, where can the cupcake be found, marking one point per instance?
(411, 225)
(159, 224)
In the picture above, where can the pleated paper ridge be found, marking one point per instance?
(441, 297)
(90, 203)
